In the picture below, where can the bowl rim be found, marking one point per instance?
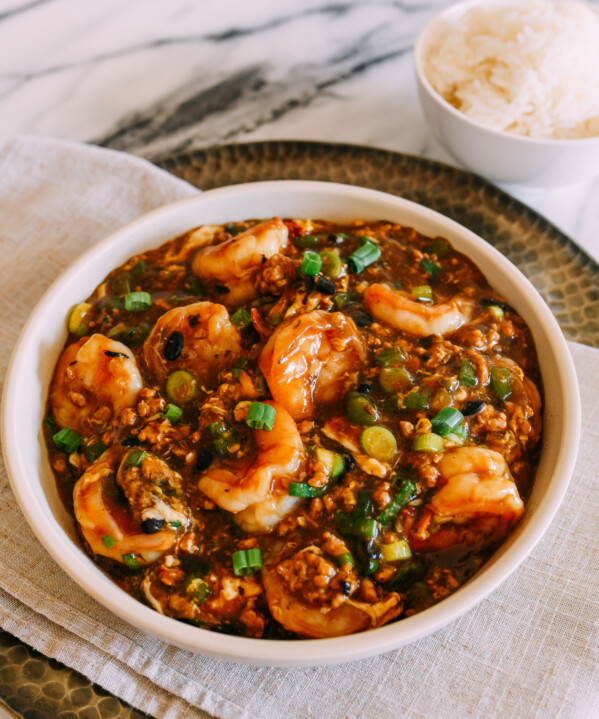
(420, 49)
(303, 652)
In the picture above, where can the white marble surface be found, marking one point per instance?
(153, 77)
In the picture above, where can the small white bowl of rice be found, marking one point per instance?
(511, 88)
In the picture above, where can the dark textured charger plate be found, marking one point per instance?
(566, 277)
(40, 688)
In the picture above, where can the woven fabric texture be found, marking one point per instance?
(531, 649)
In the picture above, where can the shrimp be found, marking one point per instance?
(231, 267)
(96, 378)
(399, 311)
(333, 620)
(477, 494)
(199, 338)
(308, 358)
(257, 493)
(109, 526)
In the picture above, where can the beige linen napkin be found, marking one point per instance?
(530, 650)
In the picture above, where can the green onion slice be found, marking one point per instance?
(417, 400)
(372, 566)
(311, 263)
(406, 491)
(364, 256)
(306, 491)
(261, 416)
(172, 413)
(357, 526)
(439, 246)
(196, 287)
(379, 442)
(130, 561)
(306, 241)
(181, 386)
(135, 301)
(360, 409)
(93, 451)
(241, 318)
(428, 443)
(342, 560)
(108, 541)
(134, 459)
(343, 299)
(247, 561)
(395, 379)
(501, 382)
(333, 461)
(396, 551)
(389, 357)
(423, 293)
(468, 374)
(332, 265)
(77, 325)
(67, 440)
(447, 420)
(431, 268)
(363, 504)
(238, 366)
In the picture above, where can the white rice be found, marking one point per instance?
(529, 67)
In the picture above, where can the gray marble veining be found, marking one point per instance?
(155, 77)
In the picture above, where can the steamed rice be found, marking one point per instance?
(529, 67)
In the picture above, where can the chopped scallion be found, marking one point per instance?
(261, 416)
(93, 451)
(311, 263)
(332, 460)
(407, 490)
(67, 440)
(343, 299)
(241, 318)
(306, 491)
(501, 382)
(238, 366)
(395, 379)
(181, 386)
(108, 541)
(134, 459)
(331, 263)
(136, 301)
(364, 256)
(417, 400)
(428, 443)
(447, 420)
(342, 560)
(130, 561)
(431, 268)
(379, 442)
(77, 324)
(360, 409)
(468, 374)
(396, 551)
(196, 287)
(389, 357)
(247, 561)
(172, 413)
(423, 293)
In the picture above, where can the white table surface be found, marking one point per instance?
(153, 77)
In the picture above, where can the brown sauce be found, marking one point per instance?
(332, 552)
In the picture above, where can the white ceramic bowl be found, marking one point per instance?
(43, 337)
(496, 155)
